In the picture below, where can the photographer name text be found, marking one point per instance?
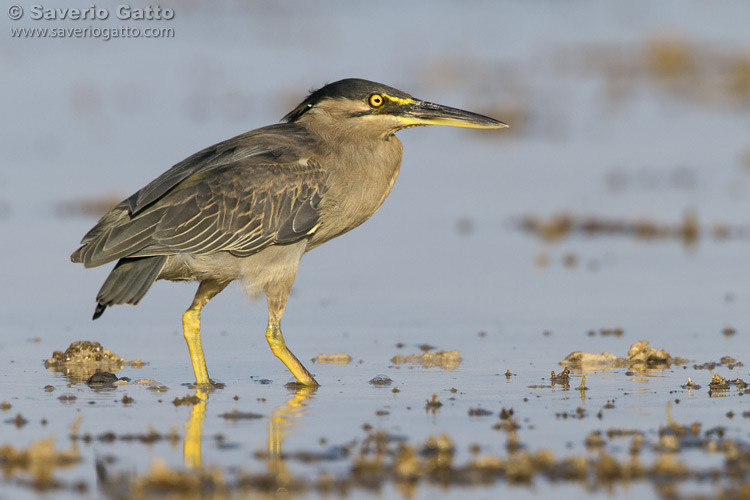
(94, 13)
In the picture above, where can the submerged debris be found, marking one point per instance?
(691, 385)
(728, 331)
(102, 379)
(240, 415)
(19, 421)
(606, 332)
(479, 412)
(730, 362)
(727, 361)
(189, 400)
(381, 380)
(580, 413)
(447, 360)
(149, 437)
(433, 404)
(561, 377)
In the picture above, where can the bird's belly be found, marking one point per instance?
(221, 266)
(272, 265)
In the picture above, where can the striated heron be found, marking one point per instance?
(248, 208)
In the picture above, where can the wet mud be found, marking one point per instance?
(665, 457)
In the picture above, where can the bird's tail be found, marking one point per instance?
(129, 281)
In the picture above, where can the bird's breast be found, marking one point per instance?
(362, 179)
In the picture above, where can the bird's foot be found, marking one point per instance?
(210, 386)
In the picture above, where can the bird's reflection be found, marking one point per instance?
(281, 421)
(191, 451)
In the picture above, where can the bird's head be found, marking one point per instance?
(364, 107)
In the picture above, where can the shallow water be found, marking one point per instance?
(626, 114)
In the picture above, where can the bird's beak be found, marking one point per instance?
(427, 113)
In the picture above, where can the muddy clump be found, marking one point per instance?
(721, 384)
(82, 359)
(640, 356)
(589, 361)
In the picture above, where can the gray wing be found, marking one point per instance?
(239, 196)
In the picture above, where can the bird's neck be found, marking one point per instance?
(369, 168)
(357, 155)
(360, 178)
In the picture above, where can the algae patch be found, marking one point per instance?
(341, 358)
(447, 360)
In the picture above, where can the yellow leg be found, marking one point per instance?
(191, 328)
(277, 296)
(279, 348)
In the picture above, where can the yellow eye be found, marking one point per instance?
(376, 100)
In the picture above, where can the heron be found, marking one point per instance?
(250, 207)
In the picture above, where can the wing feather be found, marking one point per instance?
(239, 196)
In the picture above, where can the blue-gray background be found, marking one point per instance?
(624, 110)
(86, 118)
